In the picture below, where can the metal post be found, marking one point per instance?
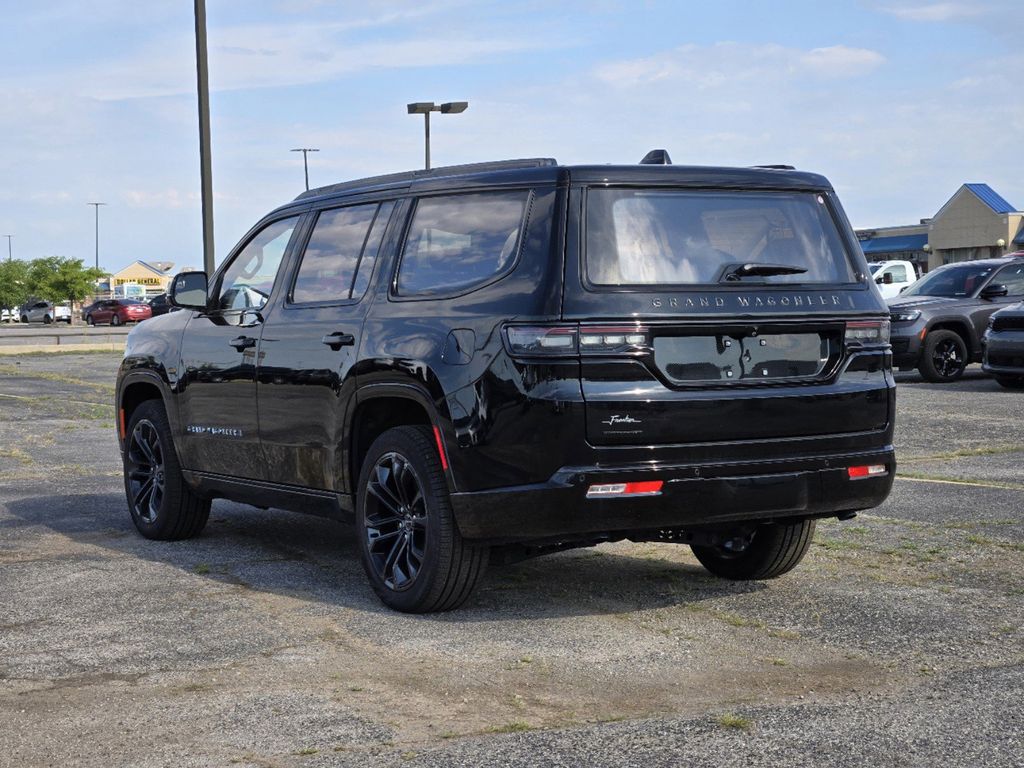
(205, 166)
(426, 136)
(305, 164)
(10, 256)
(96, 206)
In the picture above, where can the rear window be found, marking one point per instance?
(459, 242)
(677, 237)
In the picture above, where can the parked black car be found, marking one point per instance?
(937, 323)
(1004, 346)
(484, 363)
(160, 305)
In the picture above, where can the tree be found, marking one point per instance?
(14, 284)
(56, 278)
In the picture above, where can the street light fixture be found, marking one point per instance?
(305, 151)
(425, 108)
(97, 207)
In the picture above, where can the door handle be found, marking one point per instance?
(337, 340)
(243, 342)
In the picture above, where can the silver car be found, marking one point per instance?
(45, 312)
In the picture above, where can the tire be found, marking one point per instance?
(1010, 382)
(775, 549)
(168, 510)
(47, 319)
(403, 499)
(944, 357)
(24, 318)
(115, 319)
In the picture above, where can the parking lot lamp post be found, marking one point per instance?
(305, 164)
(97, 207)
(425, 108)
(10, 256)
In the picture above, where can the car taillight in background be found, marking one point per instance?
(867, 332)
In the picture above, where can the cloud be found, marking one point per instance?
(934, 12)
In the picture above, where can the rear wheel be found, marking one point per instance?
(24, 318)
(944, 357)
(1010, 382)
(47, 319)
(162, 505)
(411, 548)
(115, 319)
(771, 551)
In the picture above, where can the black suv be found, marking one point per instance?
(484, 363)
(938, 323)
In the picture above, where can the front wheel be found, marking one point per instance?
(412, 552)
(944, 357)
(162, 505)
(772, 550)
(89, 320)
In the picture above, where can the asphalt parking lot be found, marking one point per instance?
(898, 641)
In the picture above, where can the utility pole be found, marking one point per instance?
(425, 108)
(10, 257)
(97, 207)
(305, 165)
(205, 166)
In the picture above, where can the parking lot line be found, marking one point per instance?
(971, 483)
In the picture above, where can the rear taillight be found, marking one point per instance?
(612, 338)
(867, 332)
(546, 340)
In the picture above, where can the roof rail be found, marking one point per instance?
(447, 170)
(776, 167)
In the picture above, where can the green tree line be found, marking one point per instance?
(51, 278)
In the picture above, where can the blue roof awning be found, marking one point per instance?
(893, 244)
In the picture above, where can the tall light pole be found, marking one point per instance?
(205, 166)
(97, 207)
(425, 108)
(305, 151)
(10, 256)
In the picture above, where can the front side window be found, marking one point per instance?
(684, 237)
(1013, 278)
(462, 241)
(899, 273)
(332, 255)
(248, 280)
(953, 281)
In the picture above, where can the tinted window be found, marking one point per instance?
(460, 241)
(639, 237)
(332, 255)
(1013, 278)
(370, 250)
(250, 277)
(951, 281)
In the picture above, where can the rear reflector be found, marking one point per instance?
(645, 488)
(440, 448)
(868, 470)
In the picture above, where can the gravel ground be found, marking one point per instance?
(898, 641)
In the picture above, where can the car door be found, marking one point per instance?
(217, 374)
(309, 346)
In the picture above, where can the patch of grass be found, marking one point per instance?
(306, 751)
(730, 720)
(735, 620)
(784, 634)
(355, 688)
(516, 726)
(960, 481)
(202, 569)
(18, 455)
(985, 541)
(838, 545)
(448, 735)
(777, 662)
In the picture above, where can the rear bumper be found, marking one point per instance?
(692, 496)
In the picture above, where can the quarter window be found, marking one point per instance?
(461, 241)
(1013, 278)
(248, 280)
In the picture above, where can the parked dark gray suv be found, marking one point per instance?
(938, 323)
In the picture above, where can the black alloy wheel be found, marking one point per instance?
(161, 503)
(144, 472)
(395, 521)
(944, 357)
(413, 554)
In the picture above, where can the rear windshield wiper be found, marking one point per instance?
(734, 272)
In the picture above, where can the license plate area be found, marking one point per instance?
(747, 355)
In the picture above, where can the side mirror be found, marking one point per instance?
(188, 290)
(992, 291)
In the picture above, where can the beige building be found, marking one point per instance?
(975, 223)
(153, 276)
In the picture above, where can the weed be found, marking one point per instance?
(202, 569)
(305, 751)
(516, 726)
(729, 720)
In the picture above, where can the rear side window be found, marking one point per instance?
(331, 258)
(459, 242)
(681, 237)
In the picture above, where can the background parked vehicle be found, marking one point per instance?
(116, 311)
(938, 323)
(37, 311)
(159, 305)
(892, 277)
(9, 316)
(1004, 346)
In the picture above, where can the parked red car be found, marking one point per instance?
(116, 311)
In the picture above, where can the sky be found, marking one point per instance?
(897, 103)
